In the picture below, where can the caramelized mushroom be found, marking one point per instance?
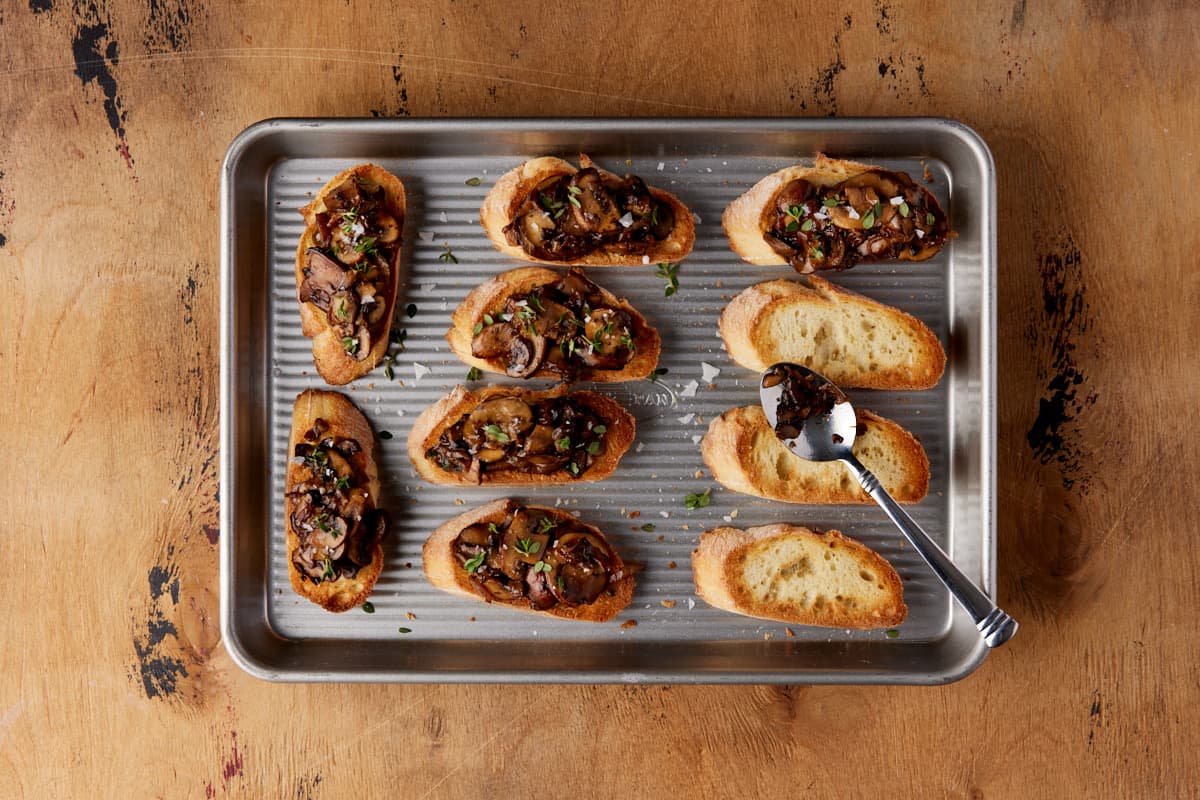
(343, 310)
(522, 355)
(593, 209)
(324, 278)
(500, 420)
(608, 335)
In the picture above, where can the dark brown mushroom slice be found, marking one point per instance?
(583, 564)
(347, 447)
(522, 355)
(540, 440)
(498, 589)
(594, 209)
(363, 343)
(576, 286)
(324, 278)
(537, 589)
(478, 535)
(553, 320)
(545, 464)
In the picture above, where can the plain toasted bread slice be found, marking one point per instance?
(343, 421)
(333, 362)
(794, 574)
(445, 573)
(501, 205)
(747, 218)
(445, 413)
(490, 296)
(744, 455)
(850, 339)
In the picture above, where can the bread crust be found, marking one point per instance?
(717, 571)
(744, 455)
(442, 415)
(333, 363)
(747, 218)
(491, 295)
(345, 421)
(505, 198)
(744, 323)
(444, 573)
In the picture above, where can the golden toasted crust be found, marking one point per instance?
(445, 574)
(505, 198)
(748, 217)
(851, 339)
(345, 422)
(744, 455)
(774, 572)
(443, 414)
(333, 363)
(491, 295)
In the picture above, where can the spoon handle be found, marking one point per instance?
(996, 626)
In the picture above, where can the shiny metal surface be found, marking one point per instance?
(268, 173)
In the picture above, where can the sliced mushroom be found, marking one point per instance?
(364, 343)
(583, 563)
(537, 589)
(343, 310)
(500, 420)
(324, 278)
(540, 440)
(522, 355)
(388, 227)
(608, 333)
(478, 535)
(594, 209)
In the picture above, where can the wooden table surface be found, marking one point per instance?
(115, 118)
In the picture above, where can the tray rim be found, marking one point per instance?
(257, 133)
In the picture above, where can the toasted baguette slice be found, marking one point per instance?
(343, 421)
(793, 574)
(445, 413)
(489, 297)
(502, 203)
(445, 572)
(744, 455)
(850, 339)
(333, 363)
(747, 218)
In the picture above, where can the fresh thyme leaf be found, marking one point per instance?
(830, 202)
(473, 181)
(669, 273)
(698, 500)
(528, 547)
(494, 431)
(368, 607)
(929, 218)
(904, 209)
(328, 572)
(405, 630)
(385, 434)
(473, 374)
(574, 200)
(477, 329)
(648, 527)
(448, 256)
(599, 430)
(892, 633)
(593, 447)
(658, 373)
(563, 444)
(573, 468)
(343, 482)
(350, 344)
(475, 562)
(807, 226)
(545, 525)
(868, 219)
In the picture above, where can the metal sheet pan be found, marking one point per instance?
(420, 634)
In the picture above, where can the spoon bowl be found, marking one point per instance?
(816, 422)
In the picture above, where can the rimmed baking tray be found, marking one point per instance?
(419, 634)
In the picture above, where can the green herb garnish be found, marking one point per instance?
(492, 528)
(474, 562)
(817, 253)
(411, 310)
(473, 374)
(904, 209)
(654, 376)
(830, 202)
(368, 607)
(477, 329)
(541, 566)
(385, 434)
(343, 482)
(563, 444)
(868, 219)
(405, 630)
(599, 430)
(350, 344)
(473, 181)
(892, 633)
(699, 500)
(448, 256)
(545, 525)
(669, 273)
(648, 527)
(493, 430)
(929, 218)
(573, 468)
(528, 547)
(807, 226)
(328, 573)
(593, 447)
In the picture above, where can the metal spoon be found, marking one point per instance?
(828, 435)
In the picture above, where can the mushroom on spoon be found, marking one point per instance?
(815, 421)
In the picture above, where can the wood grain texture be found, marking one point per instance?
(116, 116)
